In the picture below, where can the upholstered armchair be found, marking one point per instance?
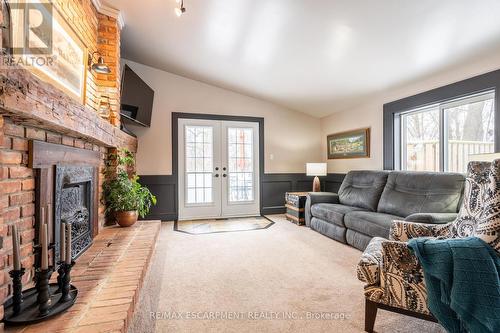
(393, 276)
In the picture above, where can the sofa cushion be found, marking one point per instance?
(329, 229)
(357, 239)
(315, 198)
(362, 189)
(333, 213)
(370, 223)
(407, 193)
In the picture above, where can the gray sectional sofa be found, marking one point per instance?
(368, 202)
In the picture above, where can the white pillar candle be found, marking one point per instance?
(45, 252)
(62, 244)
(49, 222)
(40, 224)
(68, 243)
(15, 248)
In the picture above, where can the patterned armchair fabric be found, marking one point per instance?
(393, 274)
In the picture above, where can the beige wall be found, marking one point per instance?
(370, 113)
(293, 138)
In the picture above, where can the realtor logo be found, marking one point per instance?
(31, 24)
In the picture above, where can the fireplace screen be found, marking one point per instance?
(74, 188)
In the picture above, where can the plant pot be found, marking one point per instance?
(126, 218)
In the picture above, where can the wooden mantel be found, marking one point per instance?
(26, 99)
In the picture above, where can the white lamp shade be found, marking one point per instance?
(316, 169)
(484, 157)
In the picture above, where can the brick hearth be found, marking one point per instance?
(108, 277)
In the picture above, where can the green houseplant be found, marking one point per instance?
(124, 196)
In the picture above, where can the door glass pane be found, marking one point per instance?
(470, 130)
(199, 164)
(420, 140)
(240, 164)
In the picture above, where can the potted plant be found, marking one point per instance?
(125, 197)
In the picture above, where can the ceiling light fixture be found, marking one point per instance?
(181, 9)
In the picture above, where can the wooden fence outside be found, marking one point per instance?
(424, 155)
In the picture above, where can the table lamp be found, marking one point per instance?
(316, 169)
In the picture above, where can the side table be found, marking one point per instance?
(295, 203)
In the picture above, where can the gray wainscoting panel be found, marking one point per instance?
(165, 190)
(275, 185)
(273, 189)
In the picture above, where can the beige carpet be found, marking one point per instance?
(284, 278)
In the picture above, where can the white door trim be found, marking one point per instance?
(246, 208)
(198, 211)
(221, 207)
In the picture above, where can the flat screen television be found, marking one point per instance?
(136, 100)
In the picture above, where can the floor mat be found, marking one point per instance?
(199, 227)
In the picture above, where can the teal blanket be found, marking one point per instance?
(462, 277)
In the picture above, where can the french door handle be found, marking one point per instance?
(224, 175)
(216, 175)
(216, 168)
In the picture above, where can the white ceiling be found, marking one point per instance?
(314, 56)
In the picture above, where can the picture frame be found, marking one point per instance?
(66, 67)
(349, 144)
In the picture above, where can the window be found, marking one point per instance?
(240, 154)
(199, 152)
(441, 137)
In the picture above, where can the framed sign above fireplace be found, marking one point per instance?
(54, 53)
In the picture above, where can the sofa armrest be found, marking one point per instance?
(368, 269)
(403, 231)
(402, 278)
(432, 218)
(318, 197)
(393, 275)
(380, 251)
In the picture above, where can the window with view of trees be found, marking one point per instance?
(441, 137)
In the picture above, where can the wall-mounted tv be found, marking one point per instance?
(136, 99)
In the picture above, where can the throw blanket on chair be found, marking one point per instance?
(462, 277)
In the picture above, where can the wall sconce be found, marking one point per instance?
(99, 67)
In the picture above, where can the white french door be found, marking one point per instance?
(218, 169)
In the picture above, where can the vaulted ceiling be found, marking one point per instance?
(314, 56)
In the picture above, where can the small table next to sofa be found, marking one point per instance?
(295, 207)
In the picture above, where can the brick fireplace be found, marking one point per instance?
(35, 119)
(66, 191)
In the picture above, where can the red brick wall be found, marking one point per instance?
(100, 33)
(17, 191)
(108, 39)
(17, 183)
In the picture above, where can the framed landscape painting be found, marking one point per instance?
(351, 144)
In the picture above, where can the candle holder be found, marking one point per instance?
(60, 274)
(30, 312)
(66, 282)
(17, 289)
(46, 299)
(42, 287)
